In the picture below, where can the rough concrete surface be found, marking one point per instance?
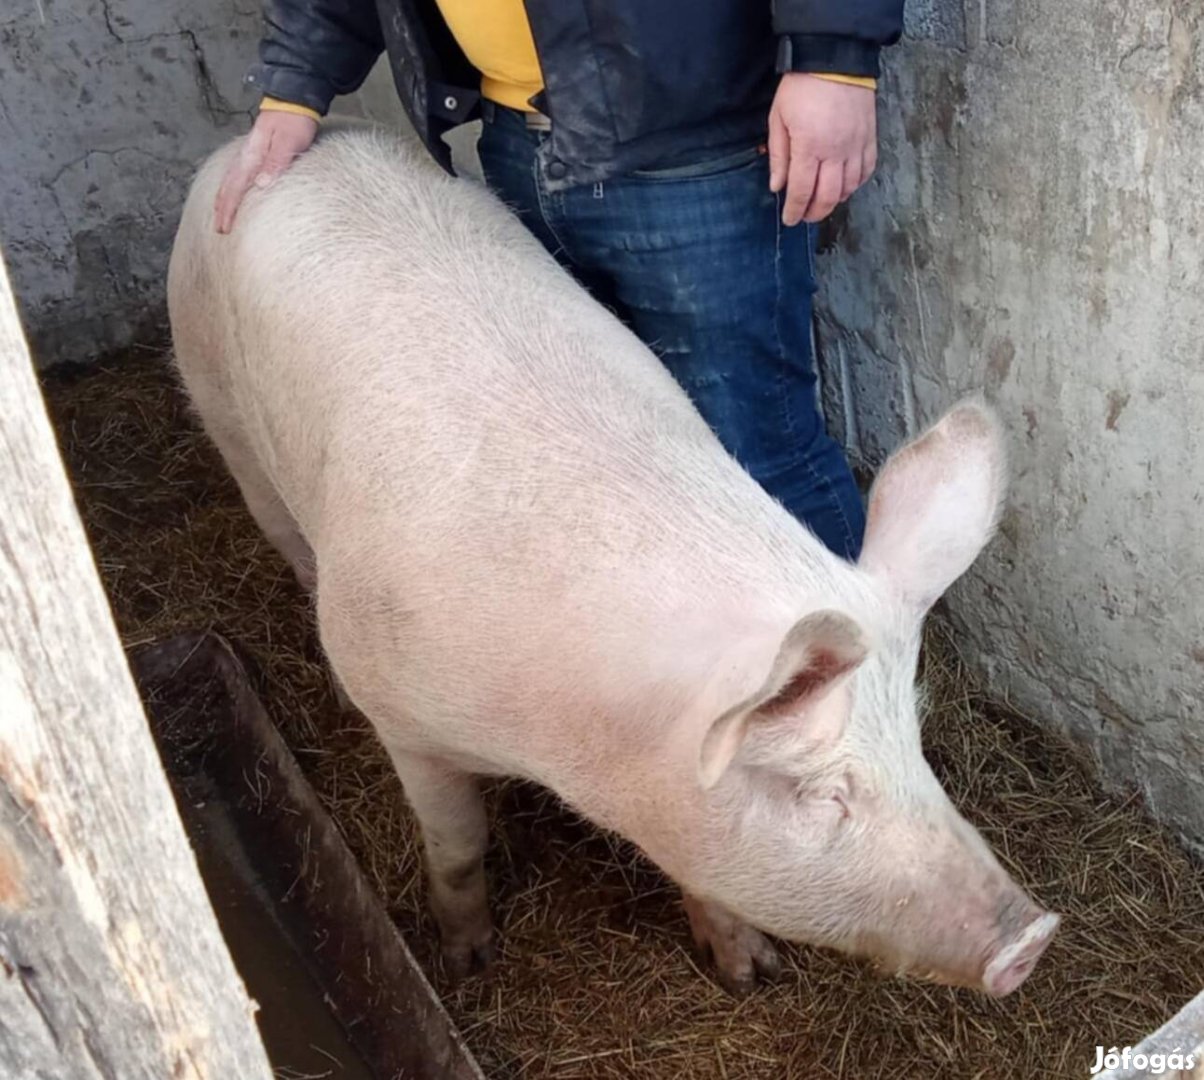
(106, 106)
(1036, 231)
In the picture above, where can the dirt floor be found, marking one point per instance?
(597, 978)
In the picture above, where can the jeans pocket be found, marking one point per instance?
(703, 170)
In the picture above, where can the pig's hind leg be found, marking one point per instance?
(447, 803)
(277, 524)
(740, 953)
(200, 363)
(258, 492)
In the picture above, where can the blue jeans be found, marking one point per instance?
(696, 261)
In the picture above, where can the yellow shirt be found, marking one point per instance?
(496, 37)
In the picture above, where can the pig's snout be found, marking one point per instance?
(1016, 958)
(974, 927)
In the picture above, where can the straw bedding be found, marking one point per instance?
(597, 978)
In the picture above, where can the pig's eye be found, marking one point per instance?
(841, 796)
(832, 799)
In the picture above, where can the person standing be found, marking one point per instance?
(674, 156)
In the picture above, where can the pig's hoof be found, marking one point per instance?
(739, 952)
(739, 963)
(464, 958)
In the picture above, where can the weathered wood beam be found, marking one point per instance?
(111, 961)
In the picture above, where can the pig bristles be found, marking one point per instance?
(596, 979)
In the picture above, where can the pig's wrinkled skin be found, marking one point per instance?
(532, 558)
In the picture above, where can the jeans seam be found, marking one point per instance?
(711, 169)
(830, 491)
(777, 309)
(818, 478)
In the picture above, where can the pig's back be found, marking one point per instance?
(426, 387)
(368, 293)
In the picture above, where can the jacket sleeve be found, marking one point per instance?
(843, 36)
(312, 50)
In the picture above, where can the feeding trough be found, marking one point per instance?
(339, 993)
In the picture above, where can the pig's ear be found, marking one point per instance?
(820, 650)
(935, 505)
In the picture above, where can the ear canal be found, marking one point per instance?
(820, 649)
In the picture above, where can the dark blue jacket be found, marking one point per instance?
(629, 84)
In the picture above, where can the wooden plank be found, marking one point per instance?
(111, 962)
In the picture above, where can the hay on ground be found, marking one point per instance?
(596, 977)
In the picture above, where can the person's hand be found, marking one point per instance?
(823, 144)
(276, 138)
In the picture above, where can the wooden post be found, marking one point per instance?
(111, 961)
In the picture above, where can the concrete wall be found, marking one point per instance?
(105, 108)
(1037, 229)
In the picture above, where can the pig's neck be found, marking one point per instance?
(626, 756)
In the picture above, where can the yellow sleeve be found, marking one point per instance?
(848, 80)
(269, 104)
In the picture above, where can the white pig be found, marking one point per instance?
(531, 557)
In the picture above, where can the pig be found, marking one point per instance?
(530, 557)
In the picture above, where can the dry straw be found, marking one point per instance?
(597, 978)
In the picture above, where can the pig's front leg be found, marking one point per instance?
(740, 953)
(451, 815)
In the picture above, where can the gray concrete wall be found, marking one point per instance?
(1037, 229)
(106, 106)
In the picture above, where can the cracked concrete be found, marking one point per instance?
(1035, 231)
(106, 106)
